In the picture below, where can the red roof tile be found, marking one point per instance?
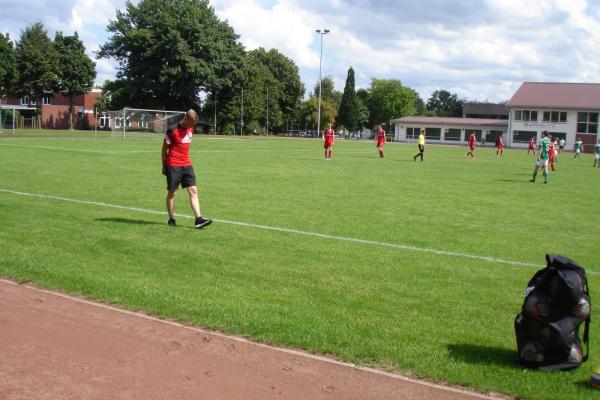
(579, 96)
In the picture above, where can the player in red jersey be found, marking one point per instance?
(552, 154)
(531, 145)
(500, 145)
(328, 136)
(472, 145)
(380, 135)
(177, 167)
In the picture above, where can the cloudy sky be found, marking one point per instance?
(481, 50)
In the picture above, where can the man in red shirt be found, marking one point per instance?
(500, 145)
(178, 169)
(531, 145)
(472, 145)
(380, 135)
(328, 136)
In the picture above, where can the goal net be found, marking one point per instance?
(8, 116)
(131, 122)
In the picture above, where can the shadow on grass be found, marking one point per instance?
(129, 221)
(474, 354)
(514, 180)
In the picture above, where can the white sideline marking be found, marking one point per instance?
(298, 232)
(297, 353)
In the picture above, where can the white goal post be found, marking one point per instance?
(138, 121)
(8, 116)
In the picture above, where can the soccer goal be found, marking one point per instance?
(138, 122)
(8, 116)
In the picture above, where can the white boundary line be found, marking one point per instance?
(298, 232)
(257, 344)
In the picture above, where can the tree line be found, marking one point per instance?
(178, 54)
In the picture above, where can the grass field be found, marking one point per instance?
(417, 268)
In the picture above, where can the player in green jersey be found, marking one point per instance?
(578, 148)
(597, 153)
(542, 158)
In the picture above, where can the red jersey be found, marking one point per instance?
(380, 135)
(179, 140)
(328, 135)
(532, 144)
(472, 140)
(500, 143)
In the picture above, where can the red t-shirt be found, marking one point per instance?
(179, 140)
(472, 141)
(380, 135)
(328, 135)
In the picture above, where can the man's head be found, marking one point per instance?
(422, 131)
(190, 119)
(545, 133)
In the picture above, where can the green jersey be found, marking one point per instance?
(578, 145)
(544, 147)
(597, 148)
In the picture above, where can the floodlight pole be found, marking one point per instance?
(321, 33)
(267, 110)
(242, 115)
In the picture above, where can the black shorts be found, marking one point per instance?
(183, 176)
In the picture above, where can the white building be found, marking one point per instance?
(565, 110)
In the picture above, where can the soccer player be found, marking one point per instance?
(531, 145)
(500, 145)
(597, 153)
(177, 167)
(561, 145)
(421, 144)
(328, 136)
(552, 154)
(578, 149)
(380, 135)
(472, 145)
(542, 158)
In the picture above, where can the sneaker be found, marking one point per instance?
(202, 222)
(532, 180)
(171, 222)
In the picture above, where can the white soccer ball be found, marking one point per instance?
(582, 308)
(575, 355)
(532, 352)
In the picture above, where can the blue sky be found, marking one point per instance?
(481, 50)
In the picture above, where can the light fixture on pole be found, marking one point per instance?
(321, 33)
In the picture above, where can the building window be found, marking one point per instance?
(104, 120)
(46, 100)
(587, 122)
(433, 133)
(526, 115)
(555, 116)
(452, 134)
(523, 136)
(24, 101)
(412, 133)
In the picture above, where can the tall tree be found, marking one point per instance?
(169, 51)
(388, 99)
(445, 104)
(349, 111)
(37, 61)
(8, 66)
(77, 71)
(329, 93)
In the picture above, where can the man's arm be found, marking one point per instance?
(165, 153)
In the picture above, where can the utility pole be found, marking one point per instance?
(321, 33)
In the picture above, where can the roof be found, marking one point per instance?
(579, 96)
(451, 121)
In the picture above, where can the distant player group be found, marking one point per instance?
(177, 166)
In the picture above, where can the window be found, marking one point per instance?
(104, 121)
(546, 117)
(527, 115)
(555, 116)
(433, 133)
(412, 133)
(46, 100)
(452, 134)
(518, 116)
(523, 136)
(587, 122)
(563, 116)
(24, 100)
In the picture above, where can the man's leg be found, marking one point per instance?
(194, 202)
(170, 204)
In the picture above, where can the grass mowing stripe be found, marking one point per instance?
(298, 232)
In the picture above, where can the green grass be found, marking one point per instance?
(440, 316)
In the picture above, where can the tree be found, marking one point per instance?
(329, 93)
(388, 99)
(37, 62)
(8, 66)
(171, 51)
(350, 106)
(76, 70)
(445, 104)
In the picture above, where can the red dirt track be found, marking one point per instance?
(54, 346)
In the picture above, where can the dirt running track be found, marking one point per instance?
(54, 346)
